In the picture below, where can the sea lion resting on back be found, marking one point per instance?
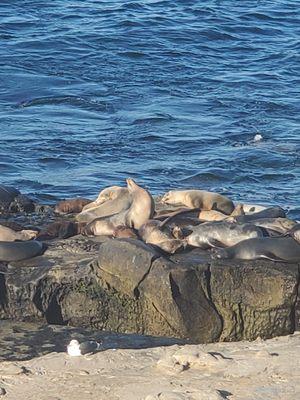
(199, 199)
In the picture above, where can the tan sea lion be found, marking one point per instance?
(10, 235)
(105, 227)
(253, 208)
(106, 194)
(152, 233)
(295, 232)
(221, 234)
(142, 207)
(71, 206)
(17, 251)
(199, 199)
(213, 215)
(284, 249)
(120, 202)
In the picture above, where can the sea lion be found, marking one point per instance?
(284, 249)
(17, 251)
(199, 199)
(295, 232)
(152, 233)
(142, 207)
(60, 229)
(71, 206)
(116, 205)
(221, 234)
(10, 235)
(213, 215)
(271, 212)
(105, 227)
(106, 194)
(279, 225)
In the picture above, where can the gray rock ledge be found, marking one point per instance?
(126, 286)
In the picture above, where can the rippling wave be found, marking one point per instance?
(169, 92)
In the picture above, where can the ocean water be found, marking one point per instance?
(176, 94)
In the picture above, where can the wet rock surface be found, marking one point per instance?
(123, 285)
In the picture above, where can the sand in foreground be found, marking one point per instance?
(238, 371)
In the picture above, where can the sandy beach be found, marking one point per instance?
(131, 367)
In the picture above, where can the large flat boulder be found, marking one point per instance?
(127, 286)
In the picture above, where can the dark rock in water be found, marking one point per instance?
(21, 203)
(126, 286)
(7, 196)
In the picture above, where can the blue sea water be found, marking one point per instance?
(171, 93)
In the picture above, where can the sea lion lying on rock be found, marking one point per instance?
(284, 249)
(271, 212)
(60, 229)
(71, 206)
(104, 227)
(17, 251)
(199, 199)
(152, 233)
(9, 235)
(221, 234)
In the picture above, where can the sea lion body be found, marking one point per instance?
(71, 206)
(9, 235)
(280, 225)
(284, 249)
(17, 251)
(295, 232)
(151, 233)
(104, 227)
(120, 203)
(106, 194)
(271, 212)
(219, 234)
(199, 199)
(142, 207)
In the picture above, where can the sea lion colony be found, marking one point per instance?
(178, 220)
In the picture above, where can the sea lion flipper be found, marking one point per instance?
(215, 243)
(271, 256)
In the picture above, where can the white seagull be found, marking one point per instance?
(75, 348)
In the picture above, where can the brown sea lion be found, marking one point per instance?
(60, 229)
(71, 206)
(284, 249)
(199, 199)
(221, 234)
